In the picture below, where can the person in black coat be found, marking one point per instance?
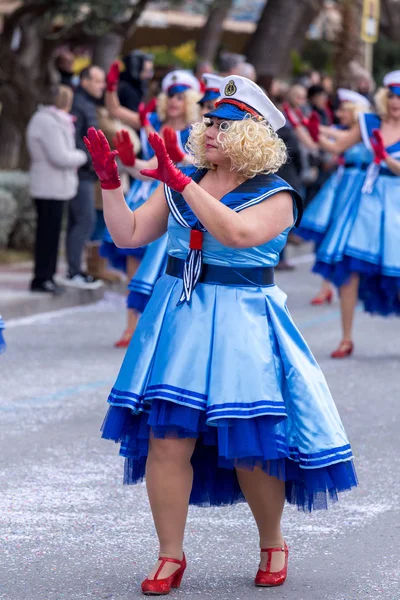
(81, 213)
(139, 70)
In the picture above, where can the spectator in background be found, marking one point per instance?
(202, 67)
(53, 181)
(318, 100)
(246, 69)
(228, 63)
(64, 64)
(81, 213)
(134, 81)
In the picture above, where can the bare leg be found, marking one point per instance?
(324, 294)
(348, 302)
(169, 479)
(266, 498)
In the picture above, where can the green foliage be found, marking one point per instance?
(386, 57)
(96, 16)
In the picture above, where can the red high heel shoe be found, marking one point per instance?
(346, 348)
(268, 579)
(125, 339)
(162, 587)
(322, 298)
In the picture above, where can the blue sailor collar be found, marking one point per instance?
(369, 122)
(249, 193)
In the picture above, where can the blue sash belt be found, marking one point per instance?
(252, 276)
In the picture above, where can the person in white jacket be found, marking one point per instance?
(53, 181)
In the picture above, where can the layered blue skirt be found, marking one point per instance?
(365, 239)
(2, 341)
(150, 270)
(231, 370)
(139, 192)
(325, 205)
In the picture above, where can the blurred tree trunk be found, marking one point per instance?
(349, 46)
(282, 27)
(208, 45)
(106, 49)
(390, 21)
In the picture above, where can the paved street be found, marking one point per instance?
(70, 530)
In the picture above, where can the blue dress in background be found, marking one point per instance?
(325, 208)
(139, 192)
(154, 260)
(2, 341)
(230, 369)
(365, 236)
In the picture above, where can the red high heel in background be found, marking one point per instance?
(268, 579)
(322, 298)
(162, 587)
(125, 340)
(346, 348)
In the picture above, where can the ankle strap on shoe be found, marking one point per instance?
(166, 559)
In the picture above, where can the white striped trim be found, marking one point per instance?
(175, 212)
(259, 199)
(364, 130)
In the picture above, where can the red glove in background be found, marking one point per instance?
(166, 171)
(103, 159)
(171, 144)
(291, 115)
(113, 77)
(378, 146)
(313, 126)
(124, 147)
(143, 112)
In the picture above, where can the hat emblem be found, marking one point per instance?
(174, 78)
(230, 88)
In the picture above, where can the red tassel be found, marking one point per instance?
(196, 239)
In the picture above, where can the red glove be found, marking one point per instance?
(166, 171)
(171, 144)
(378, 146)
(313, 126)
(124, 146)
(103, 159)
(143, 112)
(291, 115)
(113, 77)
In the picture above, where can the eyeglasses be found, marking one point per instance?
(222, 126)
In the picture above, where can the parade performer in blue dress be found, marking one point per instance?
(360, 252)
(2, 342)
(211, 92)
(177, 108)
(219, 398)
(327, 205)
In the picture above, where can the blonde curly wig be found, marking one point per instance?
(356, 109)
(381, 100)
(252, 146)
(192, 112)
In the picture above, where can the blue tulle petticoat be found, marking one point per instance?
(241, 443)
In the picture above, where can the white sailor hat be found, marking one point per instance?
(212, 83)
(241, 97)
(392, 81)
(179, 81)
(346, 95)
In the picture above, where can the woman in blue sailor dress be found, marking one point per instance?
(360, 252)
(219, 399)
(177, 108)
(2, 342)
(327, 205)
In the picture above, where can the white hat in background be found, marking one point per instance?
(179, 81)
(346, 95)
(392, 81)
(212, 83)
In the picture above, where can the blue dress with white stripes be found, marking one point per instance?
(364, 238)
(230, 369)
